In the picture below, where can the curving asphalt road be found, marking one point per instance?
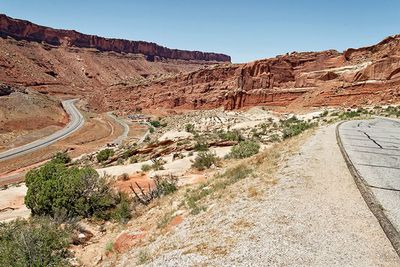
(76, 121)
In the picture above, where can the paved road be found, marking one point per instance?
(373, 147)
(76, 121)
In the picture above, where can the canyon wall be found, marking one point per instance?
(365, 76)
(25, 30)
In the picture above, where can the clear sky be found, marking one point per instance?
(244, 29)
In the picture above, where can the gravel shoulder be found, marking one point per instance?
(313, 215)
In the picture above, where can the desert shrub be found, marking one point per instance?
(54, 188)
(244, 149)
(122, 212)
(163, 185)
(155, 124)
(392, 111)
(325, 113)
(128, 153)
(349, 115)
(296, 128)
(166, 186)
(234, 135)
(189, 128)
(204, 160)
(274, 138)
(61, 157)
(35, 242)
(201, 145)
(145, 167)
(105, 154)
(151, 129)
(157, 164)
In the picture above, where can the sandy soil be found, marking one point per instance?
(313, 216)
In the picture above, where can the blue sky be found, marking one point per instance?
(246, 30)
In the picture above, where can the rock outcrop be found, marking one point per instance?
(25, 30)
(362, 76)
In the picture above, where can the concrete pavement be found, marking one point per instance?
(373, 147)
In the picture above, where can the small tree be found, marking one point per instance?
(244, 149)
(205, 160)
(105, 154)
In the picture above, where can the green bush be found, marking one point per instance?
(189, 128)
(128, 153)
(122, 212)
(201, 145)
(234, 135)
(146, 167)
(155, 124)
(294, 126)
(204, 160)
(105, 154)
(244, 149)
(61, 157)
(54, 188)
(37, 242)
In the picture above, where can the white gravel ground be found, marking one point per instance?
(314, 216)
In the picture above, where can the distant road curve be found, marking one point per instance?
(123, 123)
(76, 122)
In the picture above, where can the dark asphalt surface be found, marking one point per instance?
(373, 146)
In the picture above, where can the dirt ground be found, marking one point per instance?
(313, 216)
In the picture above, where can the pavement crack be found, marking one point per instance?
(383, 188)
(376, 143)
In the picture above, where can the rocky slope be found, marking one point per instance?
(355, 77)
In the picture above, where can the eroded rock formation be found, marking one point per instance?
(25, 30)
(356, 77)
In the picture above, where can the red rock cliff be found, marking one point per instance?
(25, 30)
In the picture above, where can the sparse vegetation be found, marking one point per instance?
(205, 160)
(143, 257)
(155, 124)
(234, 135)
(165, 220)
(122, 212)
(229, 177)
(109, 246)
(162, 186)
(145, 167)
(294, 126)
(244, 149)
(189, 128)
(201, 145)
(105, 154)
(35, 242)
